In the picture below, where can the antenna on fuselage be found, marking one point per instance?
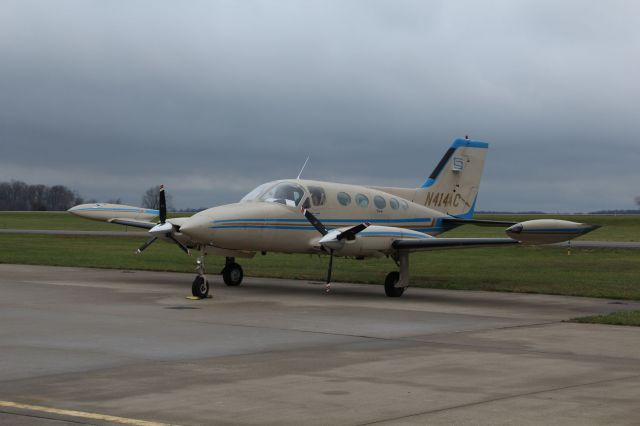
(303, 166)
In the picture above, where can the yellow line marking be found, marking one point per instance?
(81, 414)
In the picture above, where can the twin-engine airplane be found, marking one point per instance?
(305, 216)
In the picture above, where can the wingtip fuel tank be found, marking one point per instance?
(548, 231)
(107, 211)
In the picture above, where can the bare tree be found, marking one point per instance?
(151, 199)
(5, 196)
(60, 198)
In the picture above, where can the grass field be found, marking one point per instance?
(604, 273)
(586, 272)
(615, 228)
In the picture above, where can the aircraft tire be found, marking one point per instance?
(200, 287)
(389, 285)
(232, 274)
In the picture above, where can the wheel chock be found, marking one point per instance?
(198, 298)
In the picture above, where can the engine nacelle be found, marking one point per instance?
(548, 231)
(107, 211)
(373, 241)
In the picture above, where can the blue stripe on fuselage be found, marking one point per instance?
(309, 228)
(420, 219)
(407, 233)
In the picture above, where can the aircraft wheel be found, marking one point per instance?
(232, 274)
(389, 285)
(200, 287)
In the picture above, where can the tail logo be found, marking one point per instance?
(458, 164)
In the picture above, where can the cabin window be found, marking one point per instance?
(380, 202)
(394, 203)
(318, 197)
(362, 200)
(283, 191)
(404, 205)
(344, 198)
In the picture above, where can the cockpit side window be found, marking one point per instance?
(318, 196)
(282, 192)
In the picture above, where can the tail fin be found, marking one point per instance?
(452, 187)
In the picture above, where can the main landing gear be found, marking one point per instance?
(232, 275)
(396, 282)
(232, 272)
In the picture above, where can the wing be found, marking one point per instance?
(442, 243)
(479, 222)
(132, 222)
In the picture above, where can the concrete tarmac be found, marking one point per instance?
(93, 346)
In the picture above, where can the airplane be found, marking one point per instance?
(353, 221)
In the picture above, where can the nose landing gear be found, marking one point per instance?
(200, 286)
(232, 275)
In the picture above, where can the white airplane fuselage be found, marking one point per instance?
(276, 224)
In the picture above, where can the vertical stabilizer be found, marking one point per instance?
(452, 187)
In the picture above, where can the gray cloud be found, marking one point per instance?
(213, 98)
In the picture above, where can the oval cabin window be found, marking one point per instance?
(362, 200)
(344, 198)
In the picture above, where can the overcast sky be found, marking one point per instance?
(212, 98)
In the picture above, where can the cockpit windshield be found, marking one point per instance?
(253, 195)
(281, 192)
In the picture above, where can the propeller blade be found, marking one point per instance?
(162, 205)
(179, 244)
(146, 244)
(314, 221)
(350, 234)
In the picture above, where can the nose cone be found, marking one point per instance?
(197, 228)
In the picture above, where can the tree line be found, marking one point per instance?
(20, 196)
(17, 196)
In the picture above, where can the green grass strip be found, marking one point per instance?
(631, 318)
(605, 273)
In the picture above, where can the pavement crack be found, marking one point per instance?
(497, 399)
(35, 416)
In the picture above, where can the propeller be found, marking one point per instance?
(334, 239)
(146, 244)
(162, 228)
